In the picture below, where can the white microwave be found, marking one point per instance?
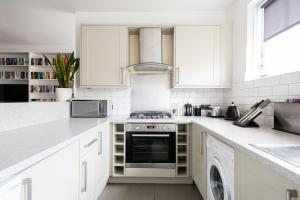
(91, 108)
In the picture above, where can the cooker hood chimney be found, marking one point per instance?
(150, 51)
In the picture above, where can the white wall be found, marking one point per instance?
(167, 98)
(17, 115)
(278, 88)
(29, 27)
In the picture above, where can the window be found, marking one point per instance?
(273, 38)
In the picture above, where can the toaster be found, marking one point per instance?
(214, 111)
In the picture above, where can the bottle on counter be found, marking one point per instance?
(197, 111)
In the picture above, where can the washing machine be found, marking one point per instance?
(220, 170)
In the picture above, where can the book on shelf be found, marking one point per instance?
(17, 75)
(13, 61)
(42, 99)
(48, 89)
(43, 75)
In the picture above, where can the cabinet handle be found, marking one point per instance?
(27, 188)
(84, 169)
(290, 194)
(202, 148)
(90, 143)
(100, 143)
(122, 75)
(177, 75)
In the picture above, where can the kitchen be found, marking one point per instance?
(144, 116)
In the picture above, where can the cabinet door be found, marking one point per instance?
(11, 189)
(56, 177)
(256, 181)
(88, 174)
(103, 56)
(199, 158)
(102, 160)
(197, 56)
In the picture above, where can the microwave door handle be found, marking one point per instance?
(99, 109)
(150, 135)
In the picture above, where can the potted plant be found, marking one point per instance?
(64, 68)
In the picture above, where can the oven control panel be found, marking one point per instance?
(140, 127)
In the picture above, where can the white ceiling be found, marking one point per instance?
(123, 5)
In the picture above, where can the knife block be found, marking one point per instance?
(249, 124)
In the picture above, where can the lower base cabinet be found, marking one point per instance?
(199, 158)
(94, 163)
(254, 180)
(55, 177)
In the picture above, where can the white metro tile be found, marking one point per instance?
(281, 90)
(265, 91)
(294, 89)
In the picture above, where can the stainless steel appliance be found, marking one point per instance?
(150, 115)
(287, 117)
(150, 145)
(90, 108)
(214, 111)
(188, 109)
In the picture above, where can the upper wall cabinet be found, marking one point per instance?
(201, 59)
(103, 56)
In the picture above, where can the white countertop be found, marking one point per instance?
(240, 138)
(20, 148)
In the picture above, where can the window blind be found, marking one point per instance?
(280, 15)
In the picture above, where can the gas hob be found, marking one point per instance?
(150, 115)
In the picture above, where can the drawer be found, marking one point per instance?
(88, 141)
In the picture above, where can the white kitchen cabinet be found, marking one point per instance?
(103, 56)
(102, 160)
(56, 177)
(199, 158)
(198, 57)
(88, 174)
(257, 181)
(94, 162)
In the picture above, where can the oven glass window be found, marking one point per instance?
(216, 183)
(150, 148)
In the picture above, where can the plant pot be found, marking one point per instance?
(63, 94)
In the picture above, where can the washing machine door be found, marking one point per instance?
(217, 187)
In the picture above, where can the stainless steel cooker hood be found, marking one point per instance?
(150, 52)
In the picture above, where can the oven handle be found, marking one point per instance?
(150, 135)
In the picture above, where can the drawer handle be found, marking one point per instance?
(84, 169)
(290, 194)
(100, 143)
(27, 188)
(202, 146)
(91, 143)
(177, 75)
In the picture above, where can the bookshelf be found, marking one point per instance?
(30, 68)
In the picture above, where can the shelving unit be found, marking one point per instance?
(182, 150)
(30, 68)
(14, 68)
(42, 81)
(118, 149)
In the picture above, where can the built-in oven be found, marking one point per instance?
(151, 146)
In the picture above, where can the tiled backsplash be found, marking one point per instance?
(121, 98)
(277, 88)
(179, 97)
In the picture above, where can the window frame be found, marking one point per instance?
(255, 42)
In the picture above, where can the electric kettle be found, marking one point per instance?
(232, 112)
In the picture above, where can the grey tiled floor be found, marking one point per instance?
(150, 192)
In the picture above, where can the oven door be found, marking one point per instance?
(150, 150)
